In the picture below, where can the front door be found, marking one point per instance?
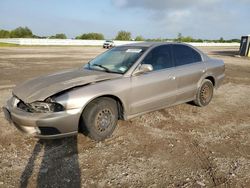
(154, 89)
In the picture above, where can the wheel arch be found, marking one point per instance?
(208, 77)
(120, 104)
(82, 127)
(120, 108)
(211, 78)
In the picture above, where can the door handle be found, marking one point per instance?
(172, 77)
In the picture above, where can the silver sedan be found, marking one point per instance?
(121, 83)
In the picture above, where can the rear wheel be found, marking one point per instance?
(205, 93)
(99, 118)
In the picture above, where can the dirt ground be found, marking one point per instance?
(181, 146)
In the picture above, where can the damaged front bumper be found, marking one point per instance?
(43, 125)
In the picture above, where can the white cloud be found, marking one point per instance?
(197, 18)
(120, 3)
(244, 1)
(162, 4)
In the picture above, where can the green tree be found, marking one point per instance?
(197, 40)
(59, 36)
(21, 32)
(179, 37)
(139, 38)
(4, 34)
(221, 39)
(123, 35)
(186, 39)
(91, 36)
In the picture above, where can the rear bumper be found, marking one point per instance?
(44, 125)
(219, 80)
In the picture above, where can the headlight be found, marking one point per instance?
(45, 107)
(13, 101)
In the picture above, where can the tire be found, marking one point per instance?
(99, 118)
(205, 93)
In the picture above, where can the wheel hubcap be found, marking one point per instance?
(104, 120)
(206, 93)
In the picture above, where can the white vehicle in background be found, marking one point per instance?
(108, 44)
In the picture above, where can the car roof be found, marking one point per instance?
(143, 44)
(151, 44)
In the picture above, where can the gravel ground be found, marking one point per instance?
(181, 146)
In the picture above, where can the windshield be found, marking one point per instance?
(116, 60)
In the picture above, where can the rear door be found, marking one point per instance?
(154, 89)
(189, 70)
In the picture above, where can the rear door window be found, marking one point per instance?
(185, 55)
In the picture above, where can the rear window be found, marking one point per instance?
(185, 55)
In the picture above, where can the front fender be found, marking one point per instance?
(80, 97)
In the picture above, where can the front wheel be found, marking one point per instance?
(205, 93)
(99, 118)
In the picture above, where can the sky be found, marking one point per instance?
(206, 19)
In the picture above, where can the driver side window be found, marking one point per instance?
(159, 57)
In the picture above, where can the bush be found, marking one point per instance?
(21, 32)
(155, 40)
(123, 35)
(181, 38)
(197, 40)
(91, 36)
(139, 38)
(234, 40)
(59, 36)
(4, 34)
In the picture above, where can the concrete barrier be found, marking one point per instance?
(76, 42)
(60, 42)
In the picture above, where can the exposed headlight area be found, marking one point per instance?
(40, 107)
(13, 101)
(44, 107)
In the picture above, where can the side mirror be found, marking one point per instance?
(143, 68)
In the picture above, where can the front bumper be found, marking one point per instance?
(43, 125)
(107, 46)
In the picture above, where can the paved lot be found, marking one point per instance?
(182, 146)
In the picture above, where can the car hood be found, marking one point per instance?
(40, 88)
